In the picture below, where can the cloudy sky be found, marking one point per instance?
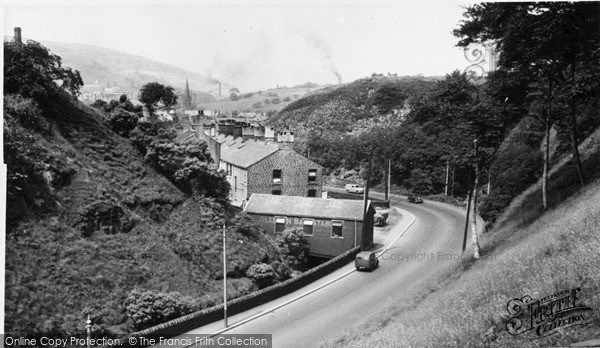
(259, 44)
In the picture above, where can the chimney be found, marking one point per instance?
(219, 89)
(17, 37)
(285, 140)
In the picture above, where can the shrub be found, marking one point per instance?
(123, 122)
(275, 101)
(257, 105)
(262, 274)
(26, 111)
(146, 308)
(294, 248)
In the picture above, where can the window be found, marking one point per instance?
(336, 229)
(276, 176)
(312, 175)
(279, 225)
(276, 192)
(229, 169)
(308, 227)
(312, 193)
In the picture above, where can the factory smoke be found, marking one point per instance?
(325, 52)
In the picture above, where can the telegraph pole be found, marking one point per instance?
(447, 177)
(366, 201)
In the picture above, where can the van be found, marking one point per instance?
(366, 260)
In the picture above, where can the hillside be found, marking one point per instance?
(128, 72)
(268, 101)
(528, 252)
(339, 107)
(90, 220)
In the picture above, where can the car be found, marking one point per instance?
(354, 188)
(366, 260)
(415, 199)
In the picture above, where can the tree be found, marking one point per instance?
(123, 122)
(153, 92)
(558, 37)
(31, 70)
(294, 247)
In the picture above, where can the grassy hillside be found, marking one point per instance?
(268, 101)
(529, 252)
(340, 107)
(89, 221)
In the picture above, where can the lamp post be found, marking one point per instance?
(224, 279)
(88, 329)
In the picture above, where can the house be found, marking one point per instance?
(331, 226)
(266, 167)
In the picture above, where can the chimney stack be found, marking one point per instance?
(17, 37)
(219, 89)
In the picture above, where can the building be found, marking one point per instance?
(331, 226)
(266, 167)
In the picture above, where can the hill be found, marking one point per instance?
(91, 225)
(539, 252)
(128, 72)
(267, 101)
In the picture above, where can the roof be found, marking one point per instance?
(243, 154)
(343, 209)
(185, 135)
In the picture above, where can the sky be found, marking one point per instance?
(256, 44)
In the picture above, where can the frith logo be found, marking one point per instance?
(546, 315)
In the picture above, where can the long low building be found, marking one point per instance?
(331, 226)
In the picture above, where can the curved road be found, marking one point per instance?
(346, 304)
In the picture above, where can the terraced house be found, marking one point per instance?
(268, 167)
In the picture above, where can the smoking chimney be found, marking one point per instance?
(17, 37)
(219, 89)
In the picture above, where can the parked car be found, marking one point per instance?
(366, 260)
(415, 199)
(354, 188)
(380, 219)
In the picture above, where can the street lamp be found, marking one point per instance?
(88, 328)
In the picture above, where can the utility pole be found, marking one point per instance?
(389, 179)
(88, 328)
(366, 201)
(224, 279)
(447, 177)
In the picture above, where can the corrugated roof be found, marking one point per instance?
(343, 209)
(245, 154)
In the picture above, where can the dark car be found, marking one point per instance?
(366, 260)
(415, 199)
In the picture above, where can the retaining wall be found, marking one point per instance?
(206, 316)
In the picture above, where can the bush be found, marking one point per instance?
(26, 111)
(234, 97)
(123, 122)
(146, 308)
(257, 105)
(294, 248)
(275, 101)
(262, 274)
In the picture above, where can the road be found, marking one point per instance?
(342, 305)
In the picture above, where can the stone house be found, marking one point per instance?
(267, 167)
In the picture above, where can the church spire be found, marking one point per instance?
(187, 98)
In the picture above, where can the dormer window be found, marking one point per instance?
(277, 176)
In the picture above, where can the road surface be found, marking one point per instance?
(330, 307)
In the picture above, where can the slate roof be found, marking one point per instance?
(185, 135)
(343, 209)
(245, 154)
